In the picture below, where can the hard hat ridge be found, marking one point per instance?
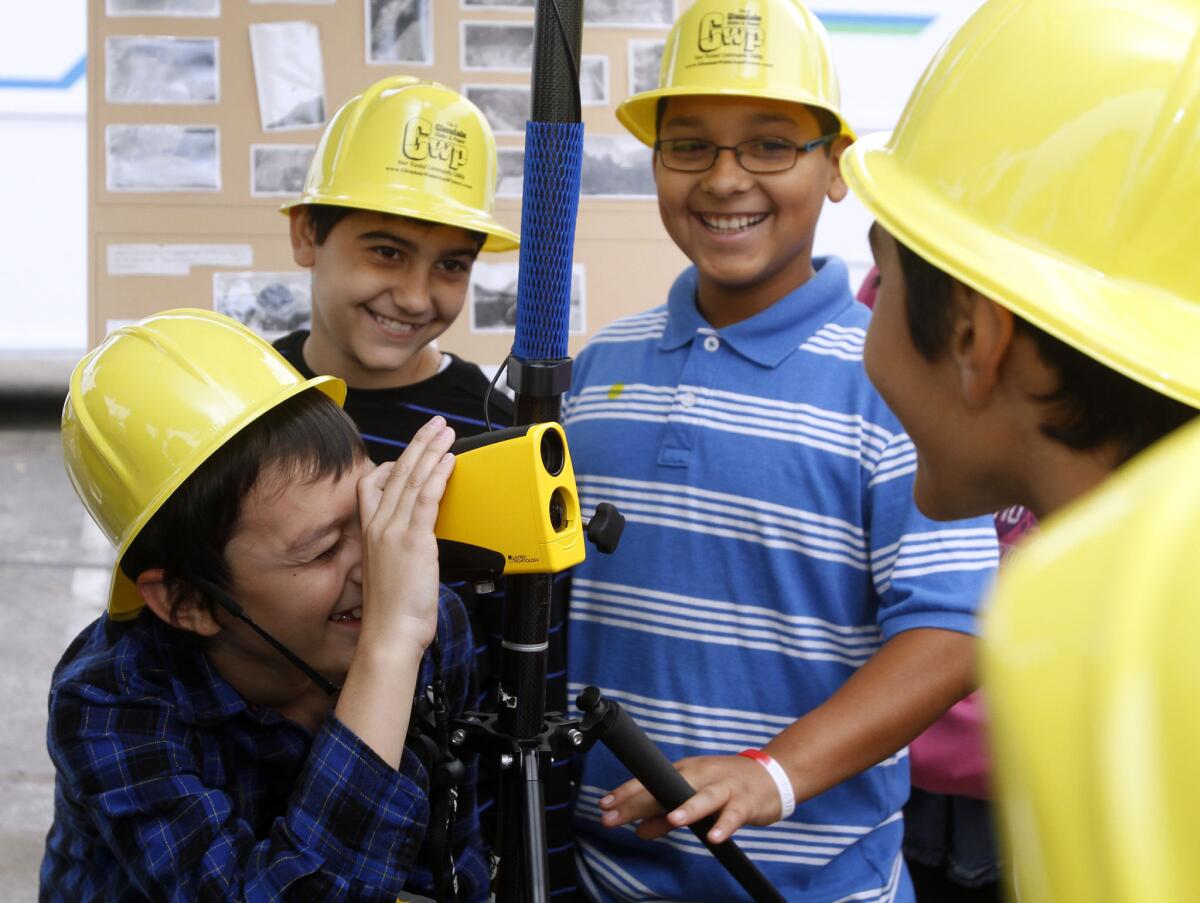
(151, 404)
(413, 148)
(762, 49)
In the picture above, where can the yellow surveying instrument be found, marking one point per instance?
(511, 506)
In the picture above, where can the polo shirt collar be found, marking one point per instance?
(770, 336)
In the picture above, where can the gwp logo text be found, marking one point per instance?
(424, 141)
(718, 31)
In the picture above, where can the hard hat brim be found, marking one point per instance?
(124, 601)
(498, 237)
(1121, 323)
(638, 113)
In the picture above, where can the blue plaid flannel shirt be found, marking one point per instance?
(170, 786)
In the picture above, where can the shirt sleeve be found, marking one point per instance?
(351, 830)
(927, 573)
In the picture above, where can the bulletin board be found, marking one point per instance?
(203, 115)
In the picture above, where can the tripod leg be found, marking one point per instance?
(534, 820)
(607, 722)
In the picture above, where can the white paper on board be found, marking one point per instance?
(289, 75)
(174, 259)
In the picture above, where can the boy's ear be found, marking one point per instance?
(191, 615)
(304, 243)
(980, 343)
(837, 189)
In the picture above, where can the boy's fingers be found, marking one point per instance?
(370, 490)
(625, 791)
(425, 511)
(731, 819)
(706, 802)
(652, 828)
(431, 457)
(404, 467)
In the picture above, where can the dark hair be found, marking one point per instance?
(1093, 404)
(307, 438)
(826, 121)
(325, 216)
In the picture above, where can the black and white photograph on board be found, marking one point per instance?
(616, 166)
(629, 13)
(499, 4)
(497, 46)
(399, 31)
(181, 8)
(278, 170)
(510, 172)
(593, 80)
(162, 158)
(645, 61)
(492, 298)
(505, 107)
(289, 74)
(158, 70)
(272, 304)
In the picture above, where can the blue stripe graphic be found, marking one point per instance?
(874, 23)
(383, 440)
(63, 83)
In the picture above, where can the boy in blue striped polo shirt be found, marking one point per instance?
(776, 586)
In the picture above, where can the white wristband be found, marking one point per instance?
(787, 799)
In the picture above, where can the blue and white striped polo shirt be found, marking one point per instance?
(772, 545)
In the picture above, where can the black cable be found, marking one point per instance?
(487, 396)
(223, 599)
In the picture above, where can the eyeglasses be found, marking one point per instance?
(756, 155)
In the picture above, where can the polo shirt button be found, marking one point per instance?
(711, 343)
(687, 399)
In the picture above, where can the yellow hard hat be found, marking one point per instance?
(1047, 159)
(151, 404)
(773, 49)
(414, 148)
(1090, 662)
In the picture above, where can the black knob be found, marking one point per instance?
(605, 527)
(588, 699)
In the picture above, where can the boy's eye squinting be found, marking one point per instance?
(330, 552)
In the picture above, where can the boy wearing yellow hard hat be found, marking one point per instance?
(234, 727)
(775, 587)
(1038, 321)
(398, 202)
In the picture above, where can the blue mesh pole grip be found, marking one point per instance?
(550, 203)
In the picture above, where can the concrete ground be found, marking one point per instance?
(54, 568)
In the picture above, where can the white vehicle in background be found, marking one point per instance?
(43, 232)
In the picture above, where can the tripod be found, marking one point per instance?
(520, 735)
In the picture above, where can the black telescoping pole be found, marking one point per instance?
(539, 372)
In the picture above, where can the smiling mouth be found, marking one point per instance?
(394, 325)
(730, 224)
(353, 616)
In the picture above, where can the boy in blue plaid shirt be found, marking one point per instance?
(194, 760)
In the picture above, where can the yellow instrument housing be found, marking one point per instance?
(511, 506)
